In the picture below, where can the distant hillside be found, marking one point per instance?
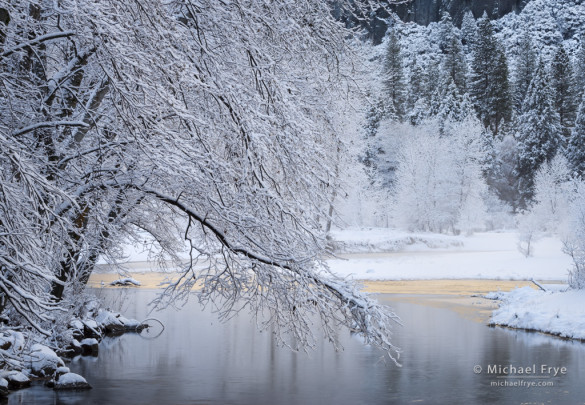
(424, 12)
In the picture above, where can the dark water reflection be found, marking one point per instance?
(198, 360)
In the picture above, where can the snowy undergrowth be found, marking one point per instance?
(381, 240)
(558, 313)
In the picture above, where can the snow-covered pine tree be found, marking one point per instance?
(468, 29)
(565, 96)
(576, 146)
(418, 93)
(501, 96)
(453, 59)
(538, 131)
(525, 65)
(453, 106)
(579, 69)
(489, 88)
(393, 77)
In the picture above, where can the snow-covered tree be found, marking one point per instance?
(393, 80)
(576, 145)
(574, 240)
(552, 194)
(501, 171)
(525, 65)
(468, 29)
(453, 106)
(200, 122)
(579, 69)
(564, 88)
(539, 131)
(489, 83)
(453, 60)
(439, 182)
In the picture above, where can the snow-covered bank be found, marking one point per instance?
(490, 255)
(558, 313)
(384, 240)
(389, 254)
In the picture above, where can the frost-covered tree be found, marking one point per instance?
(468, 29)
(579, 69)
(525, 65)
(576, 145)
(501, 171)
(393, 80)
(439, 182)
(563, 85)
(203, 123)
(418, 93)
(539, 131)
(453, 105)
(574, 240)
(552, 193)
(453, 61)
(553, 190)
(489, 83)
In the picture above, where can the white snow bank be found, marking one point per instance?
(558, 313)
(492, 255)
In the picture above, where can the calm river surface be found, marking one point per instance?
(198, 360)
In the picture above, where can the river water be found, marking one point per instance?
(198, 360)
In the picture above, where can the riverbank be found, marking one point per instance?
(462, 296)
(458, 287)
(555, 312)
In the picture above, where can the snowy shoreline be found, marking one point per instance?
(558, 313)
(372, 255)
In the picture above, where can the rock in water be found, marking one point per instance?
(44, 361)
(71, 381)
(89, 347)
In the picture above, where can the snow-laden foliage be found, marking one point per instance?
(539, 132)
(574, 241)
(553, 189)
(552, 194)
(194, 120)
(439, 184)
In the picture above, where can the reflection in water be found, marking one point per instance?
(199, 360)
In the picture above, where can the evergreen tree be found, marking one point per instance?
(576, 146)
(393, 78)
(489, 87)
(525, 67)
(564, 90)
(579, 69)
(468, 29)
(454, 106)
(418, 95)
(538, 132)
(453, 59)
(501, 96)
(374, 115)
(418, 83)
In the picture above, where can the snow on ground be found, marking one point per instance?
(389, 254)
(490, 255)
(559, 313)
